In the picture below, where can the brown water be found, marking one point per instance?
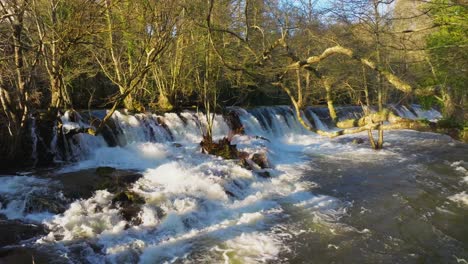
(399, 208)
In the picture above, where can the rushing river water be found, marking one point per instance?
(319, 201)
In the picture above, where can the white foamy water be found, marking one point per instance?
(197, 208)
(17, 194)
(461, 198)
(196, 199)
(194, 202)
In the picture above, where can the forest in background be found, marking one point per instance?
(168, 55)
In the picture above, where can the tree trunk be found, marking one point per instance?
(331, 107)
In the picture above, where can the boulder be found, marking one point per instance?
(15, 231)
(261, 160)
(223, 148)
(130, 205)
(233, 120)
(83, 184)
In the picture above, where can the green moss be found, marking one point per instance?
(223, 148)
(348, 123)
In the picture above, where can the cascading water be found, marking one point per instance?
(125, 129)
(197, 208)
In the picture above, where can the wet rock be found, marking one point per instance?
(256, 162)
(223, 148)
(83, 184)
(41, 202)
(261, 160)
(234, 122)
(230, 194)
(350, 140)
(264, 174)
(130, 206)
(358, 141)
(109, 133)
(128, 197)
(242, 155)
(122, 179)
(27, 255)
(177, 145)
(14, 231)
(105, 171)
(262, 138)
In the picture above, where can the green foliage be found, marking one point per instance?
(428, 102)
(449, 123)
(447, 45)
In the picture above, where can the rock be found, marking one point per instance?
(223, 148)
(27, 255)
(264, 174)
(242, 155)
(125, 178)
(114, 180)
(177, 145)
(358, 141)
(15, 231)
(109, 132)
(261, 160)
(350, 140)
(128, 197)
(105, 171)
(40, 202)
(262, 138)
(233, 120)
(83, 184)
(130, 205)
(229, 193)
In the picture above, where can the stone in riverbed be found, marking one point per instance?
(358, 141)
(264, 174)
(15, 231)
(105, 171)
(45, 202)
(83, 184)
(177, 145)
(261, 160)
(27, 255)
(130, 205)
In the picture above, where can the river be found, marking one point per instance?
(154, 198)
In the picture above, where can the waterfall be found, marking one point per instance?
(349, 112)
(124, 129)
(317, 121)
(403, 111)
(270, 121)
(429, 114)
